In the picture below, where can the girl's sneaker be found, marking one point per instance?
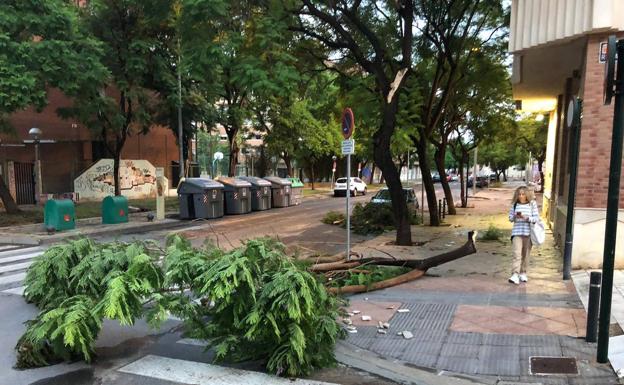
(523, 277)
(514, 279)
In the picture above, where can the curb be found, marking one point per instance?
(395, 370)
(42, 240)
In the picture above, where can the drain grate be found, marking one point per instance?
(552, 365)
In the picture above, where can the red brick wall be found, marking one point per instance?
(159, 147)
(595, 147)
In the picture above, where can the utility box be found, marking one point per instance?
(59, 214)
(280, 190)
(237, 195)
(260, 193)
(114, 210)
(200, 198)
(296, 192)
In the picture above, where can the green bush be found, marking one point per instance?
(333, 218)
(255, 302)
(492, 234)
(374, 218)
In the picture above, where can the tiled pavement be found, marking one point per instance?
(467, 320)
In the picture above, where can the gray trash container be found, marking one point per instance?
(200, 198)
(260, 193)
(281, 189)
(237, 195)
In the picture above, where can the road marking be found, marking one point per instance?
(199, 373)
(16, 290)
(192, 341)
(20, 257)
(12, 278)
(15, 267)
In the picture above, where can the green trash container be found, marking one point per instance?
(114, 210)
(59, 214)
(296, 194)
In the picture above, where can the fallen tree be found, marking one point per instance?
(419, 267)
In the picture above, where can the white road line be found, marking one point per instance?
(20, 257)
(16, 290)
(199, 373)
(12, 278)
(15, 267)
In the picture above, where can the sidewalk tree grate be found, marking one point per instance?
(552, 365)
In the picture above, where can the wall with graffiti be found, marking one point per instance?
(137, 179)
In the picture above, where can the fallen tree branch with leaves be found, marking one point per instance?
(418, 267)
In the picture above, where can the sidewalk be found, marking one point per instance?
(467, 321)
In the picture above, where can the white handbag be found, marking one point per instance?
(538, 232)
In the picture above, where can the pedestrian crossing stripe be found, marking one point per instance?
(199, 373)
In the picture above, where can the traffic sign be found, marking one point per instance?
(348, 147)
(348, 123)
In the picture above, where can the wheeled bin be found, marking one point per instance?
(115, 210)
(280, 190)
(237, 195)
(200, 198)
(296, 191)
(260, 193)
(59, 214)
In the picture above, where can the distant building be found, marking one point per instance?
(558, 52)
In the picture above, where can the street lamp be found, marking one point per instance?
(35, 133)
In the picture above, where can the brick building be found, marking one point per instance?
(556, 47)
(67, 149)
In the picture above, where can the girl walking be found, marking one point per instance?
(522, 213)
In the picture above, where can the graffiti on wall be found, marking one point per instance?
(137, 179)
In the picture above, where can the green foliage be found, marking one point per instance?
(252, 303)
(373, 274)
(492, 234)
(374, 218)
(333, 218)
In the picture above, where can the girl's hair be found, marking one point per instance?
(527, 191)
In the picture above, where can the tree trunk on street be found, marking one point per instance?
(427, 180)
(233, 156)
(288, 163)
(440, 155)
(462, 183)
(116, 161)
(383, 158)
(7, 199)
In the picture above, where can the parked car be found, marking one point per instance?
(383, 196)
(356, 185)
(436, 177)
(482, 181)
(493, 177)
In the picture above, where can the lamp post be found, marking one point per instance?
(35, 133)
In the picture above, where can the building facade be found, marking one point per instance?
(558, 51)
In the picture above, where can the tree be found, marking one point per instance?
(377, 41)
(532, 137)
(123, 103)
(41, 46)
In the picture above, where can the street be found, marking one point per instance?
(297, 226)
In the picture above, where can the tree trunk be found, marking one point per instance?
(427, 180)
(372, 174)
(7, 199)
(505, 175)
(116, 158)
(233, 157)
(383, 158)
(419, 267)
(440, 155)
(462, 185)
(288, 163)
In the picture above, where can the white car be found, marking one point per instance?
(357, 186)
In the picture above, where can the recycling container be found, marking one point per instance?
(296, 192)
(260, 193)
(59, 214)
(237, 195)
(280, 190)
(200, 198)
(115, 210)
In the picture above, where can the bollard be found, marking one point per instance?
(593, 306)
(440, 210)
(444, 208)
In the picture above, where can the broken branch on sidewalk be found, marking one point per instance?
(418, 267)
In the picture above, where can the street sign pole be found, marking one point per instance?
(348, 147)
(613, 194)
(348, 213)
